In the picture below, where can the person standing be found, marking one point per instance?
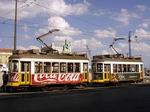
(1, 75)
(5, 79)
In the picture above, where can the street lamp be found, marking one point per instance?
(15, 26)
(129, 41)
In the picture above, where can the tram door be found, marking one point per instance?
(85, 72)
(106, 72)
(25, 73)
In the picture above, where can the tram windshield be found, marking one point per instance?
(99, 67)
(14, 66)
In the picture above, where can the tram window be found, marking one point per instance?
(10, 65)
(38, 67)
(94, 67)
(77, 67)
(114, 67)
(62, 67)
(47, 67)
(25, 66)
(107, 67)
(55, 67)
(128, 68)
(99, 67)
(14, 66)
(142, 67)
(119, 68)
(70, 67)
(137, 68)
(85, 66)
(22, 78)
(132, 68)
(124, 68)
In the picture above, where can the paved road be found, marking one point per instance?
(119, 99)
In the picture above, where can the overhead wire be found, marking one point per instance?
(54, 13)
(86, 32)
(23, 5)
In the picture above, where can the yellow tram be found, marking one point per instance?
(32, 68)
(116, 68)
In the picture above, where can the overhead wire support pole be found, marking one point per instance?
(129, 41)
(15, 26)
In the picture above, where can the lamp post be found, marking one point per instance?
(15, 26)
(129, 41)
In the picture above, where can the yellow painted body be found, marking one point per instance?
(27, 80)
(105, 79)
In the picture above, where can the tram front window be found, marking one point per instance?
(142, 69)
(94, 67)
(14, 66)
(99, 67)
(137, 68)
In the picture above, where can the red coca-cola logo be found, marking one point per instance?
(57, 78)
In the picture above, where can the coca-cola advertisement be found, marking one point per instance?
(56, 78)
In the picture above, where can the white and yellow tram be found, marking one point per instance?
(32, 68)
(116, 68)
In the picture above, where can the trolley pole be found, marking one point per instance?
(129, 41)
(15, 26)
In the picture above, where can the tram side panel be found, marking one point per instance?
(38, 73)
(76, 74)
(127, 72)
(115, 72)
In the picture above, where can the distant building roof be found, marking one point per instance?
(5, 50)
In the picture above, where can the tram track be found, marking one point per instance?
(70, 91)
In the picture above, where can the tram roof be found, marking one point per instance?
(41, 55)
(116, 58)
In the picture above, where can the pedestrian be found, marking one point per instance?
(5, 79)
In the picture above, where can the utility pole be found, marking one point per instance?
(15, 26)
(129, 41)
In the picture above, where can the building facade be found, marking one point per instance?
(4, 56)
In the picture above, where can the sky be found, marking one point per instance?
(92, 23)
